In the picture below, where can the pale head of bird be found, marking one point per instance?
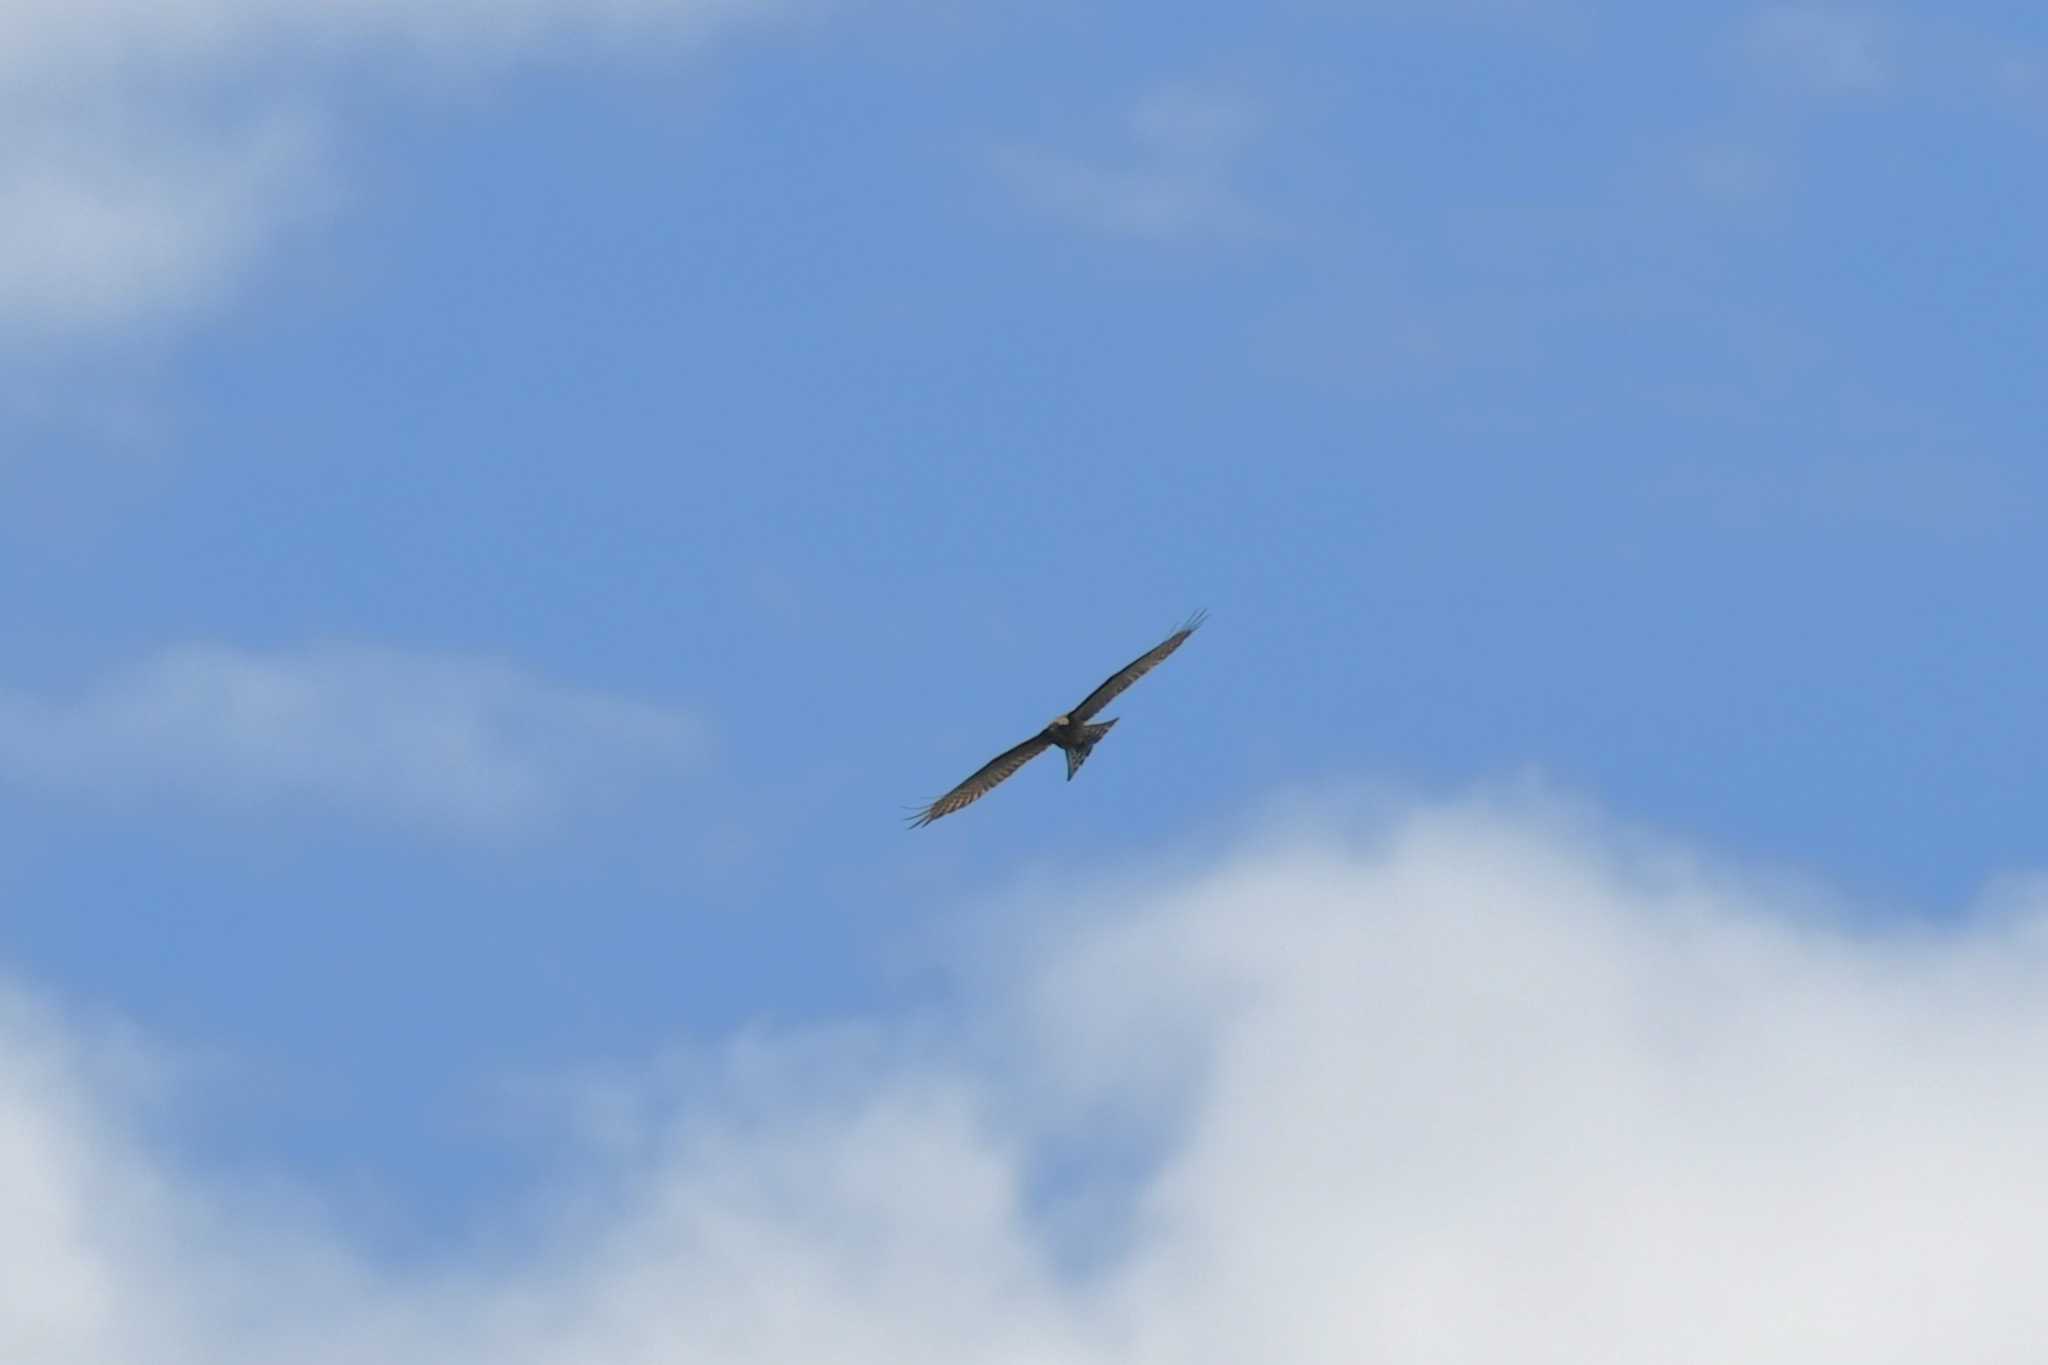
(1058, 723)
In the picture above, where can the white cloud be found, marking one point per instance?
(1175, 183)
(1472, 1084)
(155, 148)
(454, 742)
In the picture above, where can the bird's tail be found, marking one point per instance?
(1090, 736)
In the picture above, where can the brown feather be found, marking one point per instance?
(1135, 669)
(984, 781)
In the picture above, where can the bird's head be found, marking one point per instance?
(1058, 723)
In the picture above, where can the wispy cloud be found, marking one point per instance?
(1945, 495)
(1730, 172)
(446, 742)
(1474, 1083)
(1859, 53)
(155, 150)
(1834, 50)
(1173, 179)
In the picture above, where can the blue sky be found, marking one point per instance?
(502, 506)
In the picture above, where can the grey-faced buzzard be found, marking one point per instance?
(1071, 733)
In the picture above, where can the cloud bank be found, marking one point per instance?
(1477, 1082)
(442, 741)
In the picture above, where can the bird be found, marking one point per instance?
(1070, 732)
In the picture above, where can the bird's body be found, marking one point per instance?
(1071, 733)
(1076, 740)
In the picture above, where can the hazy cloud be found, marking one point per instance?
(1473, 1083)
(113, 225)
(154, 148)
(438, 740)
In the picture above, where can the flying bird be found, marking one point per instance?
(1071, 732)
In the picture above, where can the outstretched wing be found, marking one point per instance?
(1135, 669)
(983, 782)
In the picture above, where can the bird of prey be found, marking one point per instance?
(1071, 732)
